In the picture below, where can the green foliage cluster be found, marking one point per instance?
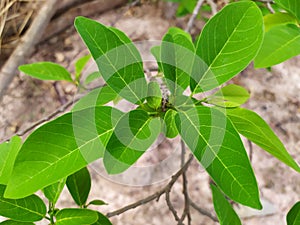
(57, 153)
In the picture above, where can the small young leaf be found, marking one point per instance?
(80, 64)
(97, 97)
(53, 191)
(79, 186)
(279, 18)
(91, 77)
(12, 222)
(46, 71)
(28, 209)
(118, 60)
(97, 202)
(60, 148)
(133, 135)
(171, 129)
(293, 216)
(76, 217)
(225, 212)
(280, 43)
(292, 6)
(227, 44)
(102, 220)
(8, 154)
(253, 127)
(216, 144)
(229, 96)
(154, 95)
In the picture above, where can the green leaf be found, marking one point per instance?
(253, 127)
(97, 97)
(60, 148)
(216, 144)
(97, 202)
(28, 209)
(46, 71)
(292, 6)
(12, 222)
(79, 186)
(280, 43)
(293, 216)
(227, 44)
(279, 18)
(154, 95)
(171, 129)
(102, 220)
(8, 154)
(53, 191)
(225, 212)
(133, 135)
(229, 96)
(118, 60)
(76, 217)
(91, 77)
(80, 64)
(177, 56)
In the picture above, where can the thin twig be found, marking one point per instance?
(213, 6)
(203, 211)
(186, 211)
(194, 15)
(171, 207)
(270, 8)
(153, 196)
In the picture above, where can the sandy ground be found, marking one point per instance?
(274, 95)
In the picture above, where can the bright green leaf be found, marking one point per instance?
(97, 202)
(293, 216)
(133, 135)
(53, 191)
(12, 222)
(46, 71)
(177, 56)
(80, 64)
(292, 6)
(280, 43)
(118, 60)
(60, 148)
(227, 44)
(225, 212)
(102, 220)
(279, 18)
(253, 127)
(216, 144)
(97, 97)
(8, 154)
(76, 217)
(229, 96)
(171, 129)
(79, 186)
(28, 209)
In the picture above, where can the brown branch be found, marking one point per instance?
(27, 43)
(194, 15)
(250, 150)
(155, 195)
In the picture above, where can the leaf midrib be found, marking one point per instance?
(216, 156)
(218, 55)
